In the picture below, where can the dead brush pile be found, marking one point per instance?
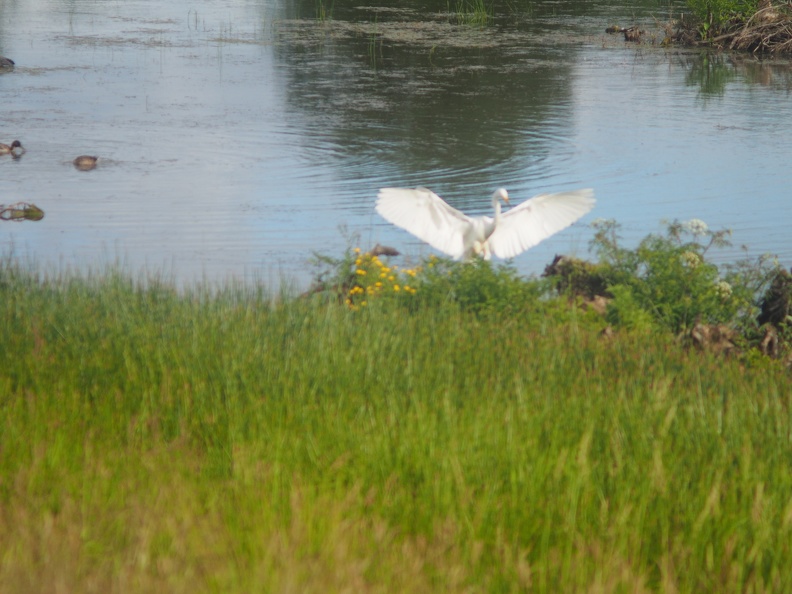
(769, 30)
(766, 31)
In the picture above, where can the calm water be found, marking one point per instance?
(239, 137)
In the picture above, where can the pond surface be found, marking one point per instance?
(237, 138)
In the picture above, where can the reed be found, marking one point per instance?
(228, 440)
(472, 12)
(324, 10)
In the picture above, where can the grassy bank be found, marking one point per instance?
(229, 442)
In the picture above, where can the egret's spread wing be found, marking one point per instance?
(537, 219)
(427, 216)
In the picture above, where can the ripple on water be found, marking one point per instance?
(243, 138)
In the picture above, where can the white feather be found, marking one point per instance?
(538, 218)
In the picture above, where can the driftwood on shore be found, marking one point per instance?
(767, 31)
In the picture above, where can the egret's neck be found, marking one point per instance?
(496, 205)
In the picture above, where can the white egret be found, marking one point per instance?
(427, 216)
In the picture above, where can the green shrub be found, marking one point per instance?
(478, 286)
(669, 278)
(715, 15)
(667, 282)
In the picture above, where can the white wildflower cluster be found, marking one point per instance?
(723, 290)
(691, 259)
(695, 226)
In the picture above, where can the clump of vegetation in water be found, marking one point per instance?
(472, 12)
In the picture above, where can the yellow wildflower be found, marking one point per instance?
(396, 287)
(360, 272)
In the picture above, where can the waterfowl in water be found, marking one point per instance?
(15, 148)
(85, 162)
(6, 63)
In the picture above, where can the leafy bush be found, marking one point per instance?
(714, 16)
(668, 278)
(359, 276)
(477, 286)
(666, 283)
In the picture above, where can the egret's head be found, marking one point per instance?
(501, 194)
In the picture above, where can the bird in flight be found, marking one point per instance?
(431, 219)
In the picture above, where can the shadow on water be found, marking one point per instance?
(238, 139)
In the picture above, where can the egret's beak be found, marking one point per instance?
(501, 194)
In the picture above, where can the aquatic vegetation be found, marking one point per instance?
(375, 47)
(324, 10)
(472, 12)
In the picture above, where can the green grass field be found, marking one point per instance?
(228, 441)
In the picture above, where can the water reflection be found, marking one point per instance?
(710, 72)
(459, 118)
(236, 139)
